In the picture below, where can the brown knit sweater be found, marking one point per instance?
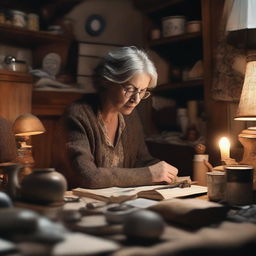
(78, 152)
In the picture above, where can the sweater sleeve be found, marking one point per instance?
(78, 163)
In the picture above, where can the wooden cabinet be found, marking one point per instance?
(40, 42)
(182, 52)
(15, 94)
(48, 106)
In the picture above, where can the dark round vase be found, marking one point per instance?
(43, 186)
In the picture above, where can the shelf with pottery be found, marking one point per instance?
(21, 36)
(41, 42)
(174, 30)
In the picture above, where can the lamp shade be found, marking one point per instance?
(241, 24)
(27, 124)
(242, 15)
(247, 106)
(8, 151)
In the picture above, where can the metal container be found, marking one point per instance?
(11, 63)
(239, 184)
(173, 25)
(216, 184)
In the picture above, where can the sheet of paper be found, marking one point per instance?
(156, 192)
(182, 192)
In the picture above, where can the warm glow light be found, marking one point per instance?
(224, 145)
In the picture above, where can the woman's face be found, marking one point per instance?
(124, 98)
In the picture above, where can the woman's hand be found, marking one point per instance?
(163, 171)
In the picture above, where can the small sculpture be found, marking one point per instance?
(200, 148)
(200, 168)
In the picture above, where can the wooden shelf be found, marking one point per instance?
(52, 103)
(180, 85)
(23, 37)
(13, 76)
(175, 39)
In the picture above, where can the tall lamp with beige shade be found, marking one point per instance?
(241, 26)
(247, 111)
(24, 127)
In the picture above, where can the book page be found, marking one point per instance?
(156, 192)
(105, 193)
(116, 194)
(182, 192)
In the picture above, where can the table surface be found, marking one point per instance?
(173, 234)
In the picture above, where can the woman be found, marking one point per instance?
(103, 137)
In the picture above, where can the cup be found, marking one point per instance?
(239, 184)
(200, 169)
(216, 183)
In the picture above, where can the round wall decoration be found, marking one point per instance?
(95, 25)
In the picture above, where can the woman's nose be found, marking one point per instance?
(136, 98)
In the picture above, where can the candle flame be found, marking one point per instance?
(224, 145)
(224, 142)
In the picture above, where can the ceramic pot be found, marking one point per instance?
(144, 225)
(173, 25)
(5, 200)
(43, 185)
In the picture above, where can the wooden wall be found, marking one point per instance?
(15, 94)
(48, 107)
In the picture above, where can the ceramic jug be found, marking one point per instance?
(43, 185)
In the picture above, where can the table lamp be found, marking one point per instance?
(247, 111)
(24, 127)
(241, 33)
(241, 24)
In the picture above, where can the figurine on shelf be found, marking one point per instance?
(192, 134)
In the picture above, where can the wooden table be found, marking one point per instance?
(175, 239)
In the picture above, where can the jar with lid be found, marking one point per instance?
(239, 184)
(33, 21)
(173, 25)
(18, 18)
(2, 16)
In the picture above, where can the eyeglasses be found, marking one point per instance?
(130, 92)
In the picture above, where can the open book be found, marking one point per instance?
(157, 192)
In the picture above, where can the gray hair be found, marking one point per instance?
(121, 64)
